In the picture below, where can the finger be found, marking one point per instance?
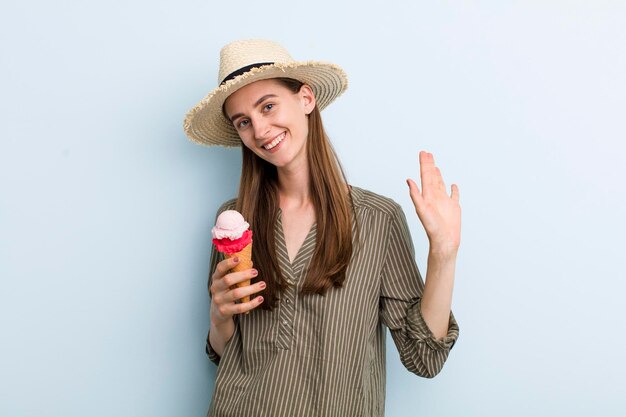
(429, 158)
(223, 294)
(427, 171)
(247, 306)
(455, 193)
(241, 292)
(414, 192)
(235, 278)
(224, 266)
(439, 180)
(221, 284)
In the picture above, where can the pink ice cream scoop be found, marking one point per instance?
(231, 232)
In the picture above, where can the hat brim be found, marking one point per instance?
(206, 125)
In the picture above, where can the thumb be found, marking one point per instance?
(415, 193)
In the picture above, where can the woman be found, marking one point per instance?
(334, 263)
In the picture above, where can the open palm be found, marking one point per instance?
(439, 212)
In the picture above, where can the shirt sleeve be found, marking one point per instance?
(216, 257)
(401, 292)
(212, 354)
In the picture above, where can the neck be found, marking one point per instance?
(293, 186)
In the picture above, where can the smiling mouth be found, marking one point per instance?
(275, 141)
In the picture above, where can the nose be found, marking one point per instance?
(261, 129)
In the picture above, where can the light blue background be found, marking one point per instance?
(106, 207)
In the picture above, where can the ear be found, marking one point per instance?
(308, 98)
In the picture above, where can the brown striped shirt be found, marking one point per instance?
(325, 355)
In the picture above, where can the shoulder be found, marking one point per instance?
(371, 201)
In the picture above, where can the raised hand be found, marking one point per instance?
(439, 212)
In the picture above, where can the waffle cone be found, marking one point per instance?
(245, 263)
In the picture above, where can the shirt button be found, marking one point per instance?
(285, 322)
(287, 301)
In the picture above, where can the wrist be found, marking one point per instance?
(222, 329)
(442, 253)
(218, 322)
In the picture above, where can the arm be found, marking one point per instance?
(224, 296)
(437, 297)
(419, 315)
(223, 293)
(440, 215)
(401, 298)
(216, 338)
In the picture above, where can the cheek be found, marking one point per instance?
(303, 126)
(246, 141)
(297, 122)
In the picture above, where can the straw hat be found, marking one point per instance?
(244, 62)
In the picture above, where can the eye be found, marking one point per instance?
(269, 106)
(241, 124)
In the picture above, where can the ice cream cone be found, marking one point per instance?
(232, 237)
(245, 263)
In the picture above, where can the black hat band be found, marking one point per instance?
(243, 70)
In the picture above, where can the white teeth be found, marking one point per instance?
(274, 142)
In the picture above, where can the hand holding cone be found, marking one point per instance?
(232, 237)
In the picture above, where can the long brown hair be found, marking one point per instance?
(258, 202)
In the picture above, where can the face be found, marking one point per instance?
(272, 120)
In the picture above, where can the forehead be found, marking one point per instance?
(249, 94)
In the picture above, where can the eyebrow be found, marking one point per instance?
(259, 101)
